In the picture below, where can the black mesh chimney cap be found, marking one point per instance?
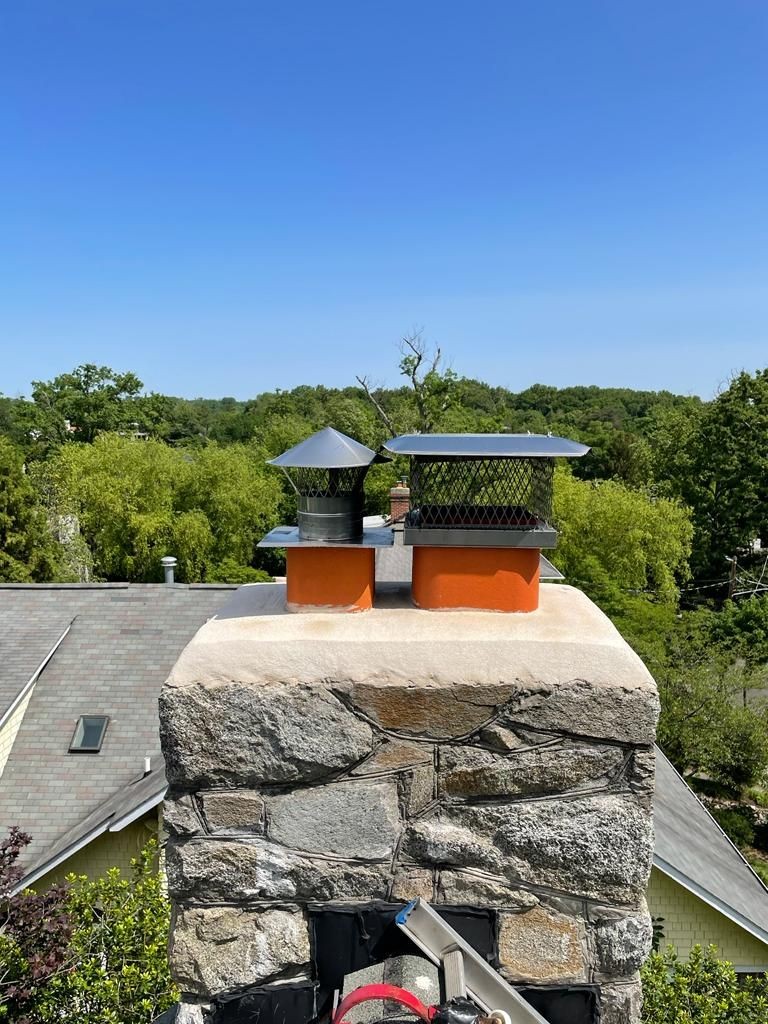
(482, 490)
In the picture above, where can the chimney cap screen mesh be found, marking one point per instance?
(481, 494)
(326, 483)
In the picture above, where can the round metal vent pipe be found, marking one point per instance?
(327, 472)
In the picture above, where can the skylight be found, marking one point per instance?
(89, 734)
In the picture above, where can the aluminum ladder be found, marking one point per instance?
(465, 972)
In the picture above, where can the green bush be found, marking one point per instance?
(760, 867)
(705, 990)
(757, 795)
(737, 823)
(229, 571)
(114, 962)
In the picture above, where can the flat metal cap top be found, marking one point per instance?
(327, 449)
(533, 446)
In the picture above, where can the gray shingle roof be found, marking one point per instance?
(122, 644)
(692, 848)
(143, 792)
(25, 643)
(121, 647)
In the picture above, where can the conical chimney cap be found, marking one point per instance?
(327, 449)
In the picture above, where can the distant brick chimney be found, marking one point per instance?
(399, 502)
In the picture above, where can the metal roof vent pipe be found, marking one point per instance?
(329, 554)
(480, 513)
(169, 564)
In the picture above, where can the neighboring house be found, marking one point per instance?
(701, 886)
(81, 667)
(98, 651)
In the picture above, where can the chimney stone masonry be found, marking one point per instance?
(498, 763)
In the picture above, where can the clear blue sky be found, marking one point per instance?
(228, 197)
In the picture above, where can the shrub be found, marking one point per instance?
(760, 867)
(229, 571)
(737, 823)
(705, 990)
(109, 953)
(757, 795)
(34, 934)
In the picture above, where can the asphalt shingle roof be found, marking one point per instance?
(146, 789)
(122, 644)
(692, 844)
(25, 643)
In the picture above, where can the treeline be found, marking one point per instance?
(713, 457)
(85, 499)
(662, 524)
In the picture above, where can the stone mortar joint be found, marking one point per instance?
(500, 763)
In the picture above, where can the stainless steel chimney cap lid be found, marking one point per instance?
(327, 449)
(486, 446)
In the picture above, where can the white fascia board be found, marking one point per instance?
(107, 825)
(138, 812)
(32, 679)
(706, 897)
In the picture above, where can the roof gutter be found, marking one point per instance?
(138, 812)
(49, 865)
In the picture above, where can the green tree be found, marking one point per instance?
(28, 551)
(704, 727)
(120, 946)
(432, 388)
(109, 950)
(615, 539)
(34, 935)
(718, 464)
(741, 628)
(703, 990)
(90, 399)
(239, 497)
(136, 501)
(121, 492)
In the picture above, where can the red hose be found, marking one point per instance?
(391, 992)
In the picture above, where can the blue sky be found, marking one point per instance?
(228, 197)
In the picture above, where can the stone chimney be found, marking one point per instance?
(500, 766)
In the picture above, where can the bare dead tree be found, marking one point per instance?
(365, 384)
(431, 385)
(416, 355)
